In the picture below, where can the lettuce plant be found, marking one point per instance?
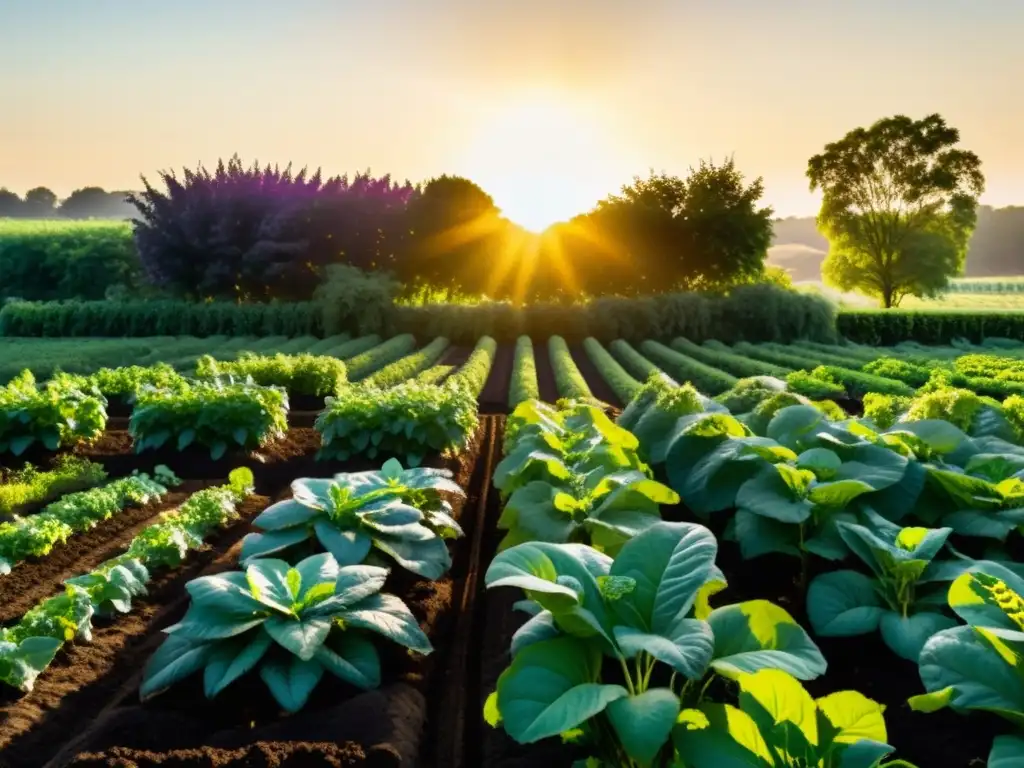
(981, 666)
(646, 610)
(408, 421)
(571, 474)
(748, 393)
(315, 375)
(667, 416)
(214, 414)
(977, 506)
(644, 398)
(905, 596)
(399, 512)
(56, 417)
(778, 724)
(296, 623)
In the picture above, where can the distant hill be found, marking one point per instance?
(997, 248)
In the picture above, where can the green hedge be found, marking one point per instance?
(52, 260)
(888, 326)
(159, 318)
(707, 379)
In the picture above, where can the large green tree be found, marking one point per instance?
(899, 206)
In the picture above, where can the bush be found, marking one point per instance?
(354, 301)
(312, 375)
(524, 384)
(888, 327)
(473, 374)
(52, 260)
(885, 410)
(55, 416)
(159, 318)
(809, 385)
(858, 384)
(901, 370)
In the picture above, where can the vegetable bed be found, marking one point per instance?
(85, 708)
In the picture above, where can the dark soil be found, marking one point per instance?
(545, 373)
(598, 386)
(262, 754)
(305, 402)
(455, 356)
(35, 579)
(181, 727)
(119, 407)
(494, 396)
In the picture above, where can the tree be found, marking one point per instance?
(40, 203)
(899, 206)
(95, 203)
(10, 204)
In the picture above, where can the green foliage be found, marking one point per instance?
(635, 363)
(899, 206)
(885, 410)
(900, 370)
(472, 376)
(524, 385)
(435, 374)
(126, 382)
(21, 489)
(158, 318)
(407, 421)
(365, 363)
(644, 398)
(900, 598)
(708, 380)
(355, 301)
(398, 512)
(809, 385)
(214, 414)
(978, 666)
(56, 260)
(748, 393)
(957, 406)
(858, 384)
(1013, 410)
(36, 535)
(662, 421)
(320, 614)
(737, 365)
(299, 374)
(568, 379)
(623, 385)
(55, 416)
(886, 328)
(571, 474)
(28, 647)
(407, 367)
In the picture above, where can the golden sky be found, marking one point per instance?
(549, 106)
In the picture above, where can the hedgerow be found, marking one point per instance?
(407, 367)
(568, 379)
(524, 385)
(737, 365)
(708, 380)
(623, 385)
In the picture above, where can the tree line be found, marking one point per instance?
(900, 205)
(84, 203)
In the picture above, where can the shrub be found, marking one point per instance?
(312, 375)
(407, 421)
(355, 301)
(888, 327)
(55, 416)
(858, 384)
(885, 410)
(212, 414)
(27, 487)
(901, 370)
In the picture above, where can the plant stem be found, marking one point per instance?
(629, 680)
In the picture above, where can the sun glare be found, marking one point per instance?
(538, 158)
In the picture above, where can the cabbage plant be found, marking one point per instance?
(399, 512)
(981, 666)
(295, 623)
(646, 610)
(778, 724)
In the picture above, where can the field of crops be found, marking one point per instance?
(402, 551)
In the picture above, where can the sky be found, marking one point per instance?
(549, 106)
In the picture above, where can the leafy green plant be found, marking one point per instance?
(571, 474)
(314, 375)
(568, 379)
(56, 417)
(672, 410)
(900, 370)
(900, 598)
(27, 487)
(399, 512)
(748, 393)
(646, 611)
(407, 421)
(737, 365)
(213, 414)
(375, 358)
(36, 535)
(778, 724)
(28, 647)
(812, 386)
(296, 623)
(707, 379)
(473, 374)
(643, 399)
(979, 666)
(127, 381)
(885, 410)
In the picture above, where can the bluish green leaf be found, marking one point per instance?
(758, 634)
(843, 603)
(644, 722)
(906, 636)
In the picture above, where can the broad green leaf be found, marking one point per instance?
(261, 544)
(428, 558)
(759, 535)
(839, 493)
(231, 660)
(644, 722)
(843, 604)
(1007, 752)
(720, 736)
(300, 636)
(687, 647)
(387, 615)
(349, 547)
(852, 716)
(284, 514)
(670, 563)
(291, 680)
(774, 699)
(907, 636)
(821, 461)
(268, 583)
(174, 660)
(539, 627)
(551, 687)
(352, 658)
(989, 598)
(758, 634)
(767, 494)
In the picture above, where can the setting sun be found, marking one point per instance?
(541, 158)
